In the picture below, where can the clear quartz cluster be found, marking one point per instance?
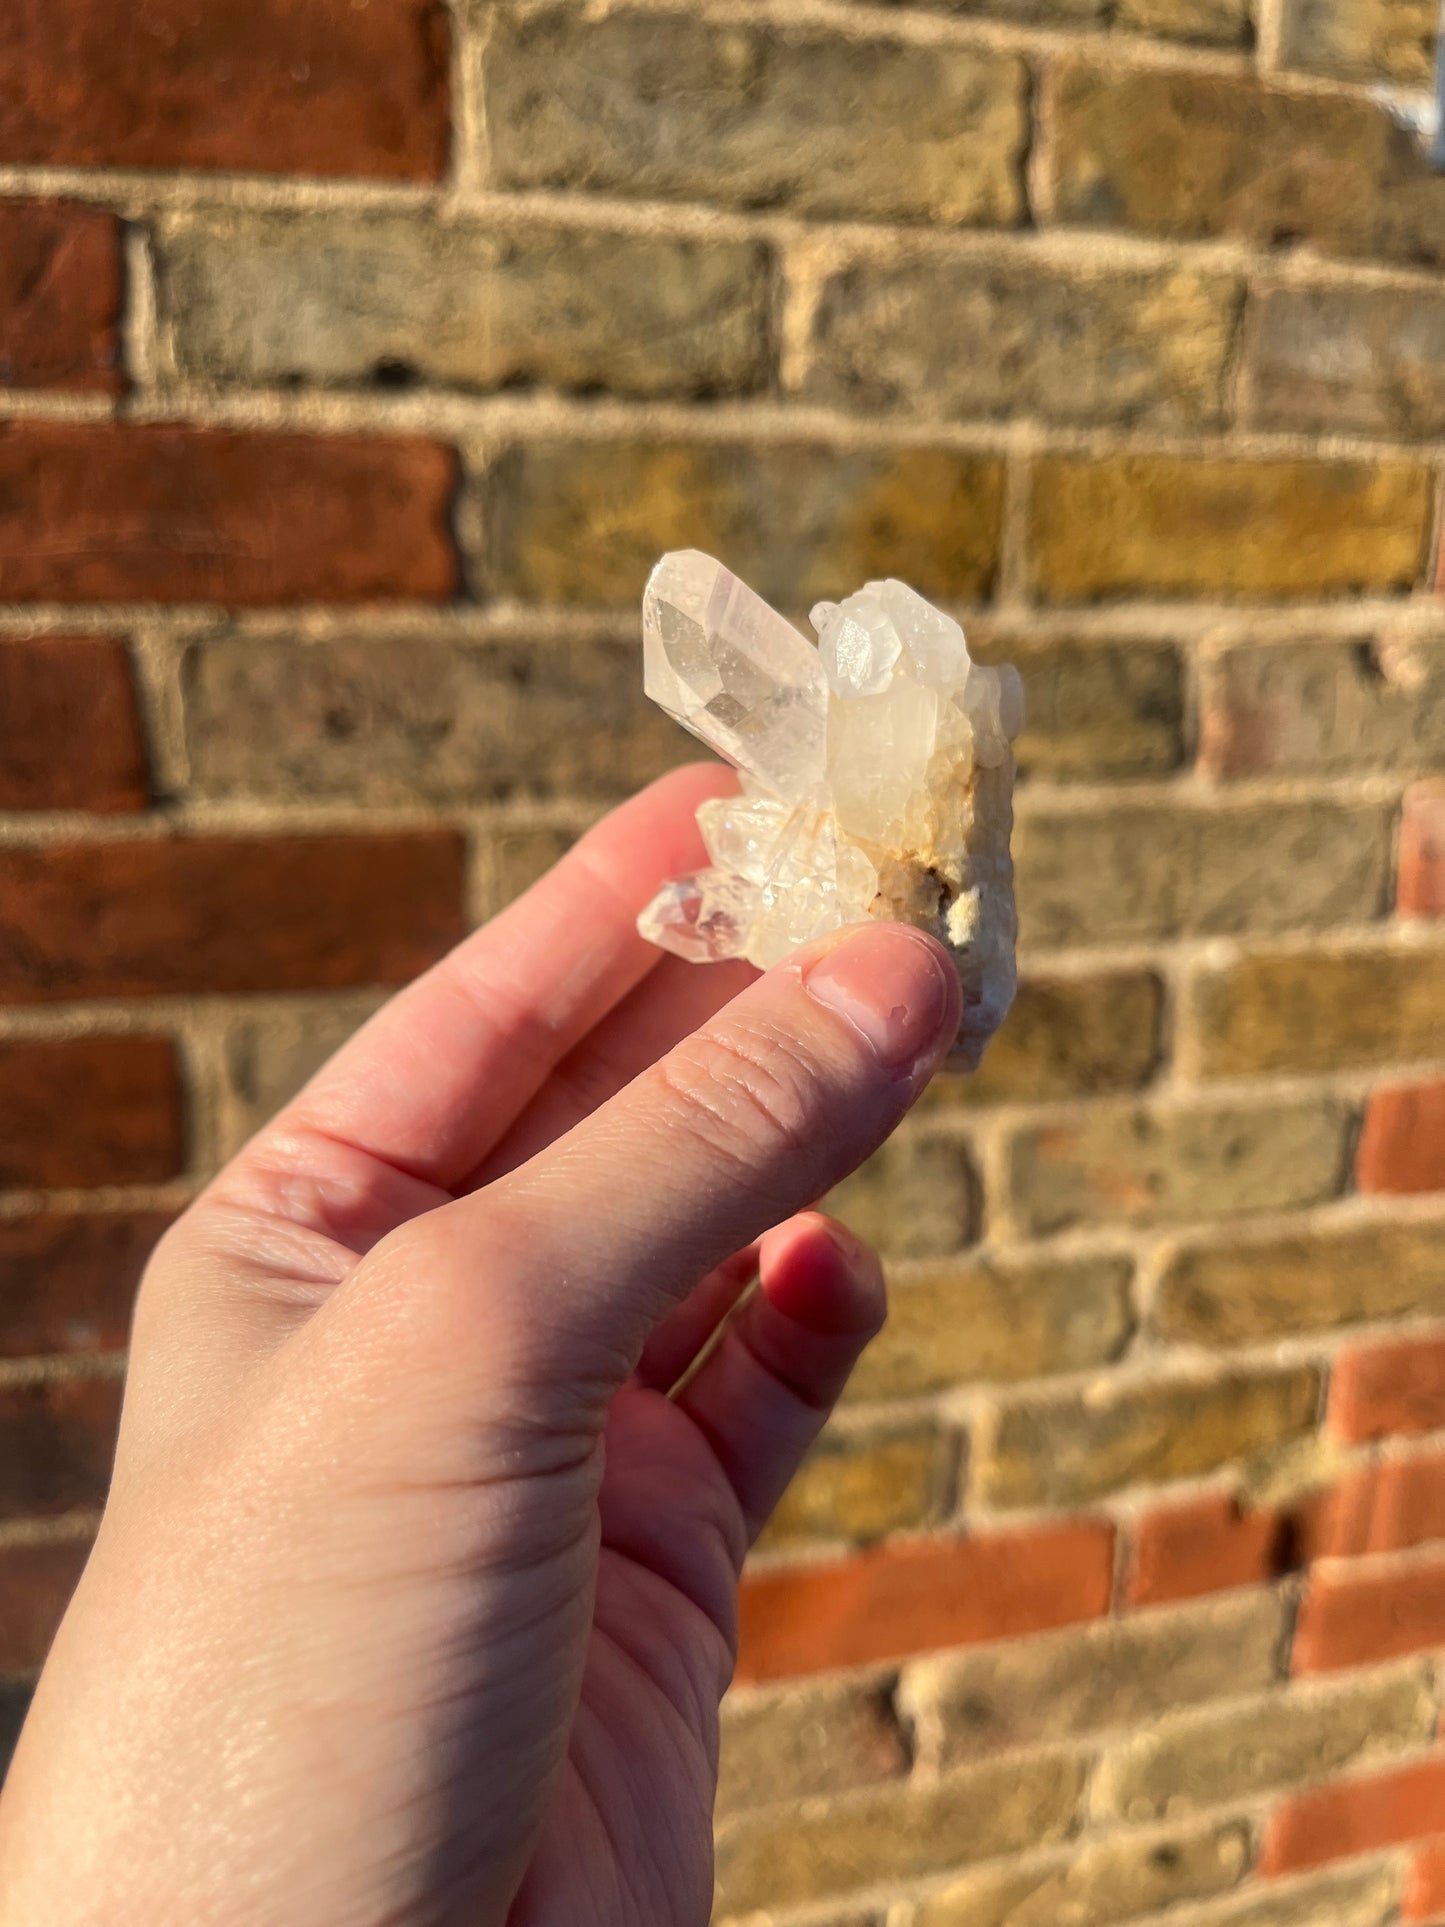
(877, 777)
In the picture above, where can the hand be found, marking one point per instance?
(414, 1597)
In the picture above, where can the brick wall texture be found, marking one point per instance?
(357, 358)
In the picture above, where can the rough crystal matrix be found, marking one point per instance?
(877, 777)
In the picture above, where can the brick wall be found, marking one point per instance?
(357, 357)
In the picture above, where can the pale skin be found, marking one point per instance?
(415, 1595)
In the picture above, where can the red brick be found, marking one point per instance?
(1357, 1613)
(1425, 1890)
(129, 512)
(225, 914)
(67, 1282)
(57, 692)
(1355, 1816)
(1422, 852)
(1384, 1507)
(1396, 1385)
(1203, 1545)
(910, 1597)
(36, 1581)
(90, 1110)
(1402, 1147)
(60, 295)
(57, 1439)
(272, 86)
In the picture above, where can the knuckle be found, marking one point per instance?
(741, 1094)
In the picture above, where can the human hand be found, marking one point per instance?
(414, 1597)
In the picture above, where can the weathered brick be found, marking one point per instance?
(895, 1832)
(913, 1595)
(1369, 1610)
(1122, 872)
(221, 914)
(1141, 1165)
(1368, 361)
(424, 717)
(1066, 1449)
(1292, 1011)
(1220, 23)
(1402, 1145)
(995, 1319)
(1303, 707)
(1080, 1035)
(1249, 1288)
(1211, 1755)
(1353, 1816)
(57, 1437)
(36, 1581)
(268, 1059)
(278, 86)
(801, 1742)
(968, 337)
(90, 1110)
(67, 1282)
(1107, 1881)
(60, 295)
(340, 300)
(1093, 708)
(1348, 1897)
(1115, 1673)
(584, 522)
(1186, 525)
(514, 856)
(1421, 890)
(861, 1485)
(1370, 40)
(1192, 155)
(55, 692)
(916, 1198)
(667, 105)
(1204, 1545)
(153, 512)
(1391, 1385)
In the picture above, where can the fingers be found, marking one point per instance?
(762, 1394)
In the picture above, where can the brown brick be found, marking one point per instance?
(1135, 1164)
(57, 1437)
(895, 1832)
(60, 295)
(1402, 1146)
(225, 914)
(160, 513)
(1182, 525)
(994, 1319)
(280, 86)
(584, 522)
(1094, 708)
(269, 1058)
(36, 1581)
(800, 1742)
(56, 692)
(1067, 1449)
(1211, 1755)
(1202, 1545)
(916, 1594)
(337, 300)
(1301, 707)
(1354, 1816)
(916, 1198)
(1371, 40)
(422, 718)
(968, 337)
(1296, 1012)
(1121, 872)
(67, 1282)
(90, 1110)
(1104, 1881)
(1351, 1897)
(1390, 1385)
(1192, 155)
(669, 105)
(860, 1485)
(1356, 1613)
(1369, 361)
(1248, 1289)
(1422, 851)
(1220, 23)
(1080, 1035)
(1116, 1673)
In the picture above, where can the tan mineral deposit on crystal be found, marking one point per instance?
(877, 777)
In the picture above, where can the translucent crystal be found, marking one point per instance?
(877, 777)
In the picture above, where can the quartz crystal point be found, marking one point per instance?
(877, 777)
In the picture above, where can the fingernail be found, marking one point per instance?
(892, 985)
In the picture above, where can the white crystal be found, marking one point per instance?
(877, 777)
